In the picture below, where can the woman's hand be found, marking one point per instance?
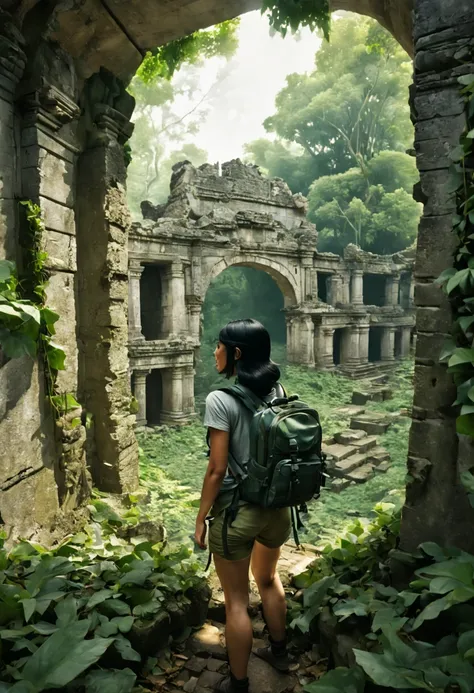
(200, 533)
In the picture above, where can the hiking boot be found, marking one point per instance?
(282, 661)
(231, 685)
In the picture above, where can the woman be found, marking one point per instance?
(257, 534)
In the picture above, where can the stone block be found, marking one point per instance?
(52, 177)
(371, 425)
(432, 17)
(33, 138)
(434, 388)
(430, 294)
(339, 484)
(445, 129)
(348, 437)
(208, 641)
(383, 467)
(434, 154)
(361, 474)
(345, 467)
(377, 456)
(61, 298)
(436, 239)
(437, 320)
(339, 452)
(442, 103)
(58, 217)
(61, 251)
(30, 506)
(210, 679)
(148, 637)
(8, 245)
(366, 444)
(359, 397)
(24, 423)
(266, 679)
(429, 346)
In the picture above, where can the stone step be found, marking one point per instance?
(350, 410)
(345, 467)
(339, 484)
(338, 452)
(378, 455)
(373, 424)
(367, 443)
(383, 467)
(361, 474)
(349, 437)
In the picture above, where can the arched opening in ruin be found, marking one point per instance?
(374, 289)
(154, 397)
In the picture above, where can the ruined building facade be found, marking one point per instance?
(65, 115)
(354, 313)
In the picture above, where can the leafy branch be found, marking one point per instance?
(458, 281)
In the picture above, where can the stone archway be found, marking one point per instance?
(277, 271)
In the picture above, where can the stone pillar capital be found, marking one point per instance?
(135, 269)
(175, 269)
(46, 105)
(108, 108)
(141, 373)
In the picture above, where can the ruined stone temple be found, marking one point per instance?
(354, 313)
(65, 116)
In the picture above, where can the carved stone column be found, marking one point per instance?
(303, 349)
(392, 285)
(335, 290)
(364, 343)
(139, 391)
(188, 391)
(12, 64)
(388, 344)
(327, 356)
(406, 342)
(173, 409)
(174, 305)
(353, 358)
(194, 313)
(357, 287)
(135, 271)
(103, 223)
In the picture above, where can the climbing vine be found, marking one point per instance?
(458, 281)
(287, 15)
(27, 325)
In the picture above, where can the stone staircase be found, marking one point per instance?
(355, 456)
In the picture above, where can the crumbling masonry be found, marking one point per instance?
(354, 313)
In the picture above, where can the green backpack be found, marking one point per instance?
(286, 466)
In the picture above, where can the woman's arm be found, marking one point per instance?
(215, 473)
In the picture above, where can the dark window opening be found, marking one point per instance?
(375, 344)
(324, 292)
(374, 289)
(337, 346)
(398, 344)
(150, 302)
(404, 292)
(154, 397)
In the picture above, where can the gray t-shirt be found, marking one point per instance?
(225, 413)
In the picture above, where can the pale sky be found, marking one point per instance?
(241, 101)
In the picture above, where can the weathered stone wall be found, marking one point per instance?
(437, 508)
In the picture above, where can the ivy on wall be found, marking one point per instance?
(27, 325)
(458, 281)
(287, 15)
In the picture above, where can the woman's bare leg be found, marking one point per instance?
(264, 569)
(234, 578)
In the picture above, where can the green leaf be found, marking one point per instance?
(432, 611)
(386, 617)
(458, 280)
(124, 648)
(63, 656)
(29, 606)
(466, 322)
(55, 355)
(466, 642)
(467, 80)
(339, 680)
(66, 612)
(7, 269)
(350, 607)
(465, 425)
(110, 681)
(461, 356)
(99, 597)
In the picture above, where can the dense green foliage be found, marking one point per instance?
(334, 122)
(62, 610)
(164, 61)
(458, 281)
(376, 212)
(292, 14)
(420, 638)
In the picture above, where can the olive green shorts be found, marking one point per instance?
(269, 526)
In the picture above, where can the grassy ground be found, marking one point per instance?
(173, 461)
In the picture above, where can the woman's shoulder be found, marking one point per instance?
(219, 397)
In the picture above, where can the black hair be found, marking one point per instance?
(255, 369)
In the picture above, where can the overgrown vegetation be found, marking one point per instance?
(420, 638)
(71, 617)
(458, 281)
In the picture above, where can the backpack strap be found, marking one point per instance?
(250, 400)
